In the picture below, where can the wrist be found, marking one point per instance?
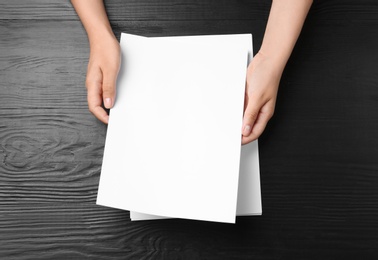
(100, 35)
(274, 64)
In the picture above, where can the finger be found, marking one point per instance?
(94, 96)
(109, 87)
(95, 105)
(260, 123)
(251, 113)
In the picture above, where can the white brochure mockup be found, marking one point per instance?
(173, 145)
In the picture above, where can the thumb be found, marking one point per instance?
(109, 88)
(250, 116)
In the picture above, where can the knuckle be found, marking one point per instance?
(252, 115)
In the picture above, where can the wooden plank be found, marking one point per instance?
(187, 10)
(40, 60)
(37, 9)
(61, 230)
(81, 230)
(139, 10)
(180, 28)
(46, 146)
(175, 10)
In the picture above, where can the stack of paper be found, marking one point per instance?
(173, 146)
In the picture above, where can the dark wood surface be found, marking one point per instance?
(319, 154)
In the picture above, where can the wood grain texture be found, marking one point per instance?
(318, 156)
(174, 10)
(140, 10)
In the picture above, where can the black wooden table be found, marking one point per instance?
(319, 154)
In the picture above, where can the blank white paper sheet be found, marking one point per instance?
(173, 141)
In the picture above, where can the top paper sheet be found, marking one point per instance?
(173, 141)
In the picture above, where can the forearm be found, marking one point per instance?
(285, 22)
(94, 18)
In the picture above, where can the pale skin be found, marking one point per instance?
(285, 22)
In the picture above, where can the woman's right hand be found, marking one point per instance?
(103, 66)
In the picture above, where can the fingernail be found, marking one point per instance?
(247, 130)
(108, 102)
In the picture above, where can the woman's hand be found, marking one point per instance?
(103, 67)
(285, 22)
(263, 77)
(104, 59)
